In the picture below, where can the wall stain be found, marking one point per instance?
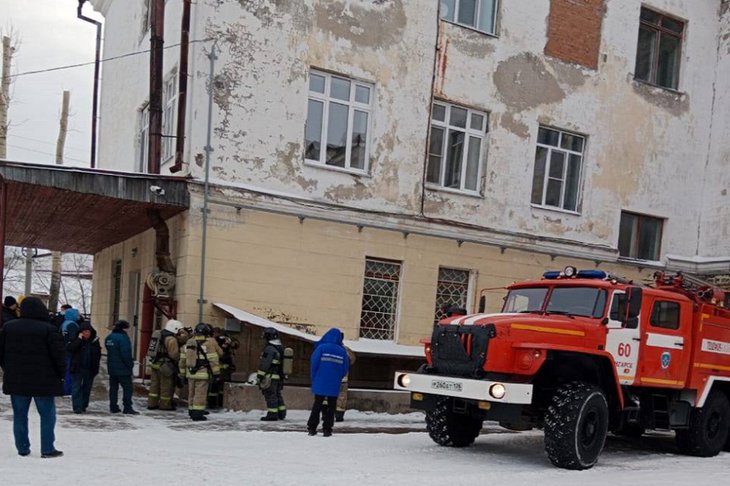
(524, 81)
(675, 103)
(381, 23)
(509, 122)
(288, 166)
(468, 42)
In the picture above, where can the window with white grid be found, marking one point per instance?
(338, 122)
(452, 289)
(455, 147)
(558, 166)
(169, 116)
(380, 299)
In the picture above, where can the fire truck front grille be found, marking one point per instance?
(460, 350)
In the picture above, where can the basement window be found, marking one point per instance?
(659, 49)
(640, 236)
(338, 122)
(477, 14)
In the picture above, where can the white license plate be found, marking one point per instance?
(446, 385)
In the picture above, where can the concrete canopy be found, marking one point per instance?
(81, 210)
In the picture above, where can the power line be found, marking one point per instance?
(17, 147)
(91, 63)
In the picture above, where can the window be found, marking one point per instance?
(452, 288)
(144, 138)
(379, 299)
(665, 315)
(455, 147)
(558, 165)
(338, 121)
(640, 236)
(659, 50)
(478, 14)
(169, 116)
(618, 307)
(116, 289)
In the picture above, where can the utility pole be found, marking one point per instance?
(55, 286)
(8, 51)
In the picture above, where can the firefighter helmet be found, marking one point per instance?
(203, 329)
(173, 326)
(270, 334)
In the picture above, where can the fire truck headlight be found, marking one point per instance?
(497, 391)
(404, 380)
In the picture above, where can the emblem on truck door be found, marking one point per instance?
(666, 359)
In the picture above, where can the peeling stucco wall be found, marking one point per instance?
(645, 146)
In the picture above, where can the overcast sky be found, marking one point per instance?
(49, 35)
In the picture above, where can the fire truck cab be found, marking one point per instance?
(579, 354)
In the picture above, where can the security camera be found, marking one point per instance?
(157, 190)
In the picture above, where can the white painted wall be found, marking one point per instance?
(647, 149)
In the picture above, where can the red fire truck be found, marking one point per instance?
(579, 354)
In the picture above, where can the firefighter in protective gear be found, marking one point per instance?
(228, 345)
(270, 376)
(200, 364)
(163, 374)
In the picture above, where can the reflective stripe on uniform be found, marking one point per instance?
(155, 395)
(282, 408)
(272, 410)
(197, 407)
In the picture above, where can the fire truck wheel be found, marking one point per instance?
(451, 429)
(708, 428)
(576, 425)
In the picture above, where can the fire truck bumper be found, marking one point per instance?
(450, 386)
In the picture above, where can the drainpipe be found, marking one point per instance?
(97, 68)
(157, 36)
(183, 87)
(3, 223)
(146, 324)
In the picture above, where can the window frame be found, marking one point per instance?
(636, 232)
(352, 105)
(169, 118)
(467, 294)
(655, 309)
(468, 131)
(660, 30)
(144, 138)
(392, 332)
(457, 3)
(548, 162)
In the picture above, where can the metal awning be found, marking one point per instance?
(81, 210)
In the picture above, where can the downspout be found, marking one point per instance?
(437, 48)
(146, 324)
(3, 223)
(157, 39)
(183, 87)
(97, 68)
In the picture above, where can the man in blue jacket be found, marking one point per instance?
(120, 363)
(328, 365)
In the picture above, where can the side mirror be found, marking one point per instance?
(634, 297)
(482, 304)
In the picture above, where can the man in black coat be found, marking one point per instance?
(10, 308)
(33, 358)
(85, 352)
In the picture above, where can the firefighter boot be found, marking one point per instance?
(340, 416)
(282, 414)
(270, 417)
(197, 416)
(326, 432)
(311, 431)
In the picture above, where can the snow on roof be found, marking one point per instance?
(360, 346)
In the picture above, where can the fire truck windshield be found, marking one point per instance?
(572, 301)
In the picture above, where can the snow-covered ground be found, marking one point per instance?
(159, 448)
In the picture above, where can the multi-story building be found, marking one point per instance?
(374, 159)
